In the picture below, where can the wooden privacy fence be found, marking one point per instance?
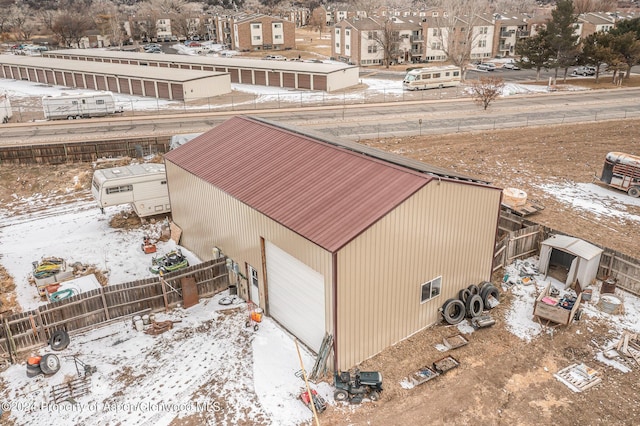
(26, 331)
(76, 152)
(519, 237)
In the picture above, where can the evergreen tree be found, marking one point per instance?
(560, 35)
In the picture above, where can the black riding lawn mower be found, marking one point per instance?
(365, 384)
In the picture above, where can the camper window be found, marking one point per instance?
(99, 101)
(116, 189)
(436, 75)
(74, 102)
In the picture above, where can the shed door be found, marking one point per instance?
(296, 296)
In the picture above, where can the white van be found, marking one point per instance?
(432, 78)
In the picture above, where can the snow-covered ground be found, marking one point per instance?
(209, 365)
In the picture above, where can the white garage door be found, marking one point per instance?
(296, 296)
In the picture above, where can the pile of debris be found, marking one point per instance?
(627, 348)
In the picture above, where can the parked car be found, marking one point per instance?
(510, 66)
(487, 66)
(584, 71)
(275, 58)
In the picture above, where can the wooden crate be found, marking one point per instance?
(555, 314)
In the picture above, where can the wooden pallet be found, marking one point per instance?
(578, 377)
(529, 208)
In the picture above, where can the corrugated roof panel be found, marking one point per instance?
(574, 246)
(325, 193)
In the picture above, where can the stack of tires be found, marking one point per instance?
(48, 365)
(471, 302)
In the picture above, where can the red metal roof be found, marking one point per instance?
(323, 192)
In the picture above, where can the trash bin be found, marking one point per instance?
(233, 290)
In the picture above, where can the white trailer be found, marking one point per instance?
(432, 78)
(144, 186)
(5, 109)
(79, 105)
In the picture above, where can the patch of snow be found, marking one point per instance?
(465, 327)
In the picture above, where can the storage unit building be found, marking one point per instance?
(330, 236)
(297, 75)
(129, 79)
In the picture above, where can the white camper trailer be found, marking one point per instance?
(5, 109)
(79, 105)
(144, 186)
(432, 78)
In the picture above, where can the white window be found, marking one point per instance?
(484, 30)
(373, 35)
(277, 25)
(337, 31)
(347, 33)
(337, 45)
(256, 37)
(372, 49)
(482, 43)
(277, 36)
(346, 46)
(255, 26)
(430, 289)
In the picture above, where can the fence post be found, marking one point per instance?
(164, 294)
(104, 304)
(11, 345)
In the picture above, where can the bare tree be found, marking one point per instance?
(486, 90)
(70, 24)
(586, 6)
(21, 19)
(107, 20)
(456, 29)
(388, 39)
(318, 20)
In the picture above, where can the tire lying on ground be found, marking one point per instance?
(487, 291)
(50, 364)
(474, 306)
(473, 289)
(59, 340)
(453, 311)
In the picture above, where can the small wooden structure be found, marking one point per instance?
(556, 314)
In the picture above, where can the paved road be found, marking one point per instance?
(358, 121)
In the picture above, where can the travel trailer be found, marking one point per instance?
(5, 109)
(432, 78)
(79, 105)
(144, 186)
(622, 171)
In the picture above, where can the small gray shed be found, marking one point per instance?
(579, 258)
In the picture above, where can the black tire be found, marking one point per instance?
(634, 191)
(50, 364)
(489, 290)
(473, 289)
(374, 396)
(59, 340)
(247, 324)
(463, 295)
(255, 327)
(33, 370)
(474, 306)
(453, 311)
(340, 395)
(482, 285)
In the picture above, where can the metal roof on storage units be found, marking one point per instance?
(573, 245)
(311, 67)
(323, 192)
(150, 73)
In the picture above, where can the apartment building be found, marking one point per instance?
(262, 32)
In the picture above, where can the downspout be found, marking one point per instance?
(334, 284)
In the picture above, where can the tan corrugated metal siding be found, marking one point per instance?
(209, 217)
(446, 229)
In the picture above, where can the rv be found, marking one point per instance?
(432, 78)
(622, 171)
(79, 105)
(5, 109)
(144, 186)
